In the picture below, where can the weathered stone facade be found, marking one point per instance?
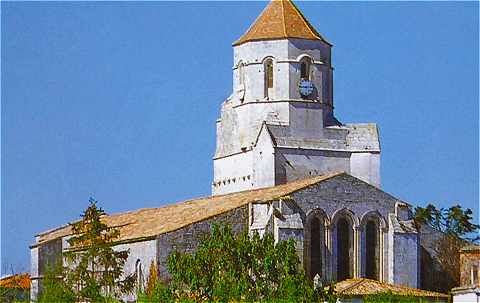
(269, 133)
(469, 289)
(343, 228)
(188, 238)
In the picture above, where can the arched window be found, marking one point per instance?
(305, 63)
(315, 249)
(268, 71)
(314, 244)
(371, 250)
(344, 249)
(139, 275)
(371, 227)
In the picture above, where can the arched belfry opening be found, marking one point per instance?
(371, 250)
(268, 75)
(305, 63)
(315, 248)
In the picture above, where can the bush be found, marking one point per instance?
(237, 268)
(54, 288)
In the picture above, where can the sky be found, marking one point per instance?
(118, 101)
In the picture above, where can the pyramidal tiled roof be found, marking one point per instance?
(281, 19)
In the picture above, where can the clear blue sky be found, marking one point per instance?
(118, 101)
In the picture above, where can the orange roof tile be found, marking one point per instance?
(149, 222)
(281, 19)
(363, 287)
(16, 281)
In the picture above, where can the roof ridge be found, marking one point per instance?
(283, 18)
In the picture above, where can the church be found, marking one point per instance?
(284, 165)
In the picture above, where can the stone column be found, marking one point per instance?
(356, 252)
(328, 251)
(383, 258)
(331, 256)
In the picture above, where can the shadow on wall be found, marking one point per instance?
(432, 275)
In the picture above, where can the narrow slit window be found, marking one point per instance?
(268, 68)
(241, 74)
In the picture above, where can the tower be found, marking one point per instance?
(278, 125)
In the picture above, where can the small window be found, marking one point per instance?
(241, 74)
(305, 68)
(475, 274)
(268, 70)
(139, 275)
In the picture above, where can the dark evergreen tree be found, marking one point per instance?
(94, 270)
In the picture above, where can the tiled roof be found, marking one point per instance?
(149, 222)
(281, 19)
(471, 248)
(16, 281)
(363, 287)
(351, 137)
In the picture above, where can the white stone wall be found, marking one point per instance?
(264, 161)
(315, 150)
(253, 55)
(466, 297)
(34, 274)
(233, 173)
(366, 166)
(406, 259)
(144, 253)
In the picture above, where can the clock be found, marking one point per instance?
(305, 87)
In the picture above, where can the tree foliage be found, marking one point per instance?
(55, 288)
(94, 270)
(152, 279)
(454, 221)
(240, 268)
(456, 225)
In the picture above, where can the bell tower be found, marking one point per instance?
(277, 51)
(282, 99)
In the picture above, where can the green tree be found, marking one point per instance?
(454, 221)
(94, 270)
(456, 225)
(55, 288)
(152, 279)
(242, 268)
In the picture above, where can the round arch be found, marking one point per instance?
(345, 213)
(371, 226)
(373, 215)
(344, 225)
(268, 76)
(302, 56)
(315, 248)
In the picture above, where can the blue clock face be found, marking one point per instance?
(305, 87)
